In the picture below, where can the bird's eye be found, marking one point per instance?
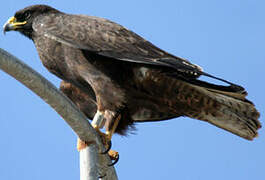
(27, 15)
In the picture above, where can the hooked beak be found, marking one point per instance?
(12, 24)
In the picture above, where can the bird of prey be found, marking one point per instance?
(117, 78)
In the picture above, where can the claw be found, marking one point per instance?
(115, 161)
(98, 122)
(114, 156)
(108, 148)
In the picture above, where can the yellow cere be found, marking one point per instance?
(14, 22)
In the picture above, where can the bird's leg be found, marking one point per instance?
(97, 123)
(114, 155)
(111, 131)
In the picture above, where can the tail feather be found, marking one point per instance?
(228, 110)
(237, 95)
(242, 115)
(223, 106)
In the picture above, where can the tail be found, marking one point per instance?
(229, 110)
(223, 106)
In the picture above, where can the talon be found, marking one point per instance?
(114, 155)
(106, 141)
(109, 144)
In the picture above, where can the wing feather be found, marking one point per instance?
(106, 38)
(109, 39)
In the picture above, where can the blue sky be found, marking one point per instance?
(226, 38)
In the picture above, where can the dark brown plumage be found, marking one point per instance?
(110, 69)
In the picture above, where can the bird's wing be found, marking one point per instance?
(106, 38)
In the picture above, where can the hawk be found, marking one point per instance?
(117, 78)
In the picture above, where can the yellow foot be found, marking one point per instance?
(105, 138)
(114, 156)
(81, 144)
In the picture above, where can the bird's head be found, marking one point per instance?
(23, 19)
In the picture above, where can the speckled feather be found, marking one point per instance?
(109, 68)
